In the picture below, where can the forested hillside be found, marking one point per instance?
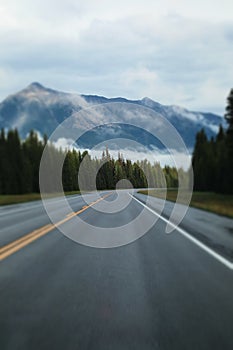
(213, 159)
(20, 162)
(212, 164)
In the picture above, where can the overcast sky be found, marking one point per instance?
(173, 51)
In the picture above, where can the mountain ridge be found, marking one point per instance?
(43, 109)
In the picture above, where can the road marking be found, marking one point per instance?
(33, 204)
(187, 235)
(20, 243)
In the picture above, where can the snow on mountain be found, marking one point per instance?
(43, 109)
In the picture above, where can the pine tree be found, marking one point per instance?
(199, 162)
(229, 111)
(229, 141)
(33, 149)
(14, 164)
(2, 161)
(221, 156)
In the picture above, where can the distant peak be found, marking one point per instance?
(148, 102)
(36, 85)
(146, 99)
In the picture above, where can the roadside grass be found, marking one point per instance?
(212, 202)
(23, 198)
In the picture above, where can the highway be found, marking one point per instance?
(162, 291)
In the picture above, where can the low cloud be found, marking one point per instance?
(138, 153)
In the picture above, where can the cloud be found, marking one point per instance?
(174, 52)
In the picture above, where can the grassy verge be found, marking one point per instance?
(213, 202)
(22, 198)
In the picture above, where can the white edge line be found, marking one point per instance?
(208, 250)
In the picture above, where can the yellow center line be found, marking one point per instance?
(20, 243)
(24, 238)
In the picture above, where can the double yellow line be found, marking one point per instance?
(20, 243)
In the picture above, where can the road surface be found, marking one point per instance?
(159, 292)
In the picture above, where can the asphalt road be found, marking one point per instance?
(159, 292)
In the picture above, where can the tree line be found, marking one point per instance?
(20, 163)
(212, 163)
(213, 159)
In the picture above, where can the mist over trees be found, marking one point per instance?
(20, 162)
(212, 163)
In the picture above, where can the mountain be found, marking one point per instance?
(43, 109)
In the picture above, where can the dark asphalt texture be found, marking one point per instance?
(159, 292)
